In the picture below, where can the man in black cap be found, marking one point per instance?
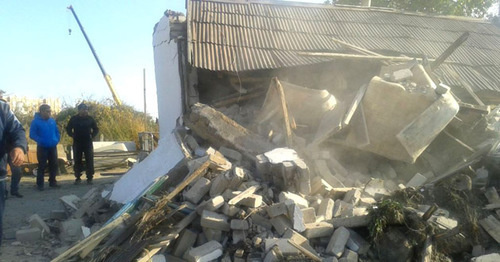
(83, 128)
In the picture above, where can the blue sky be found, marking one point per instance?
(40, 59)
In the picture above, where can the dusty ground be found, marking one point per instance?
(18, 210)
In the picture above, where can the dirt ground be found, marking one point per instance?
(18, 211)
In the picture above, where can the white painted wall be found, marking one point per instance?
(168, 89)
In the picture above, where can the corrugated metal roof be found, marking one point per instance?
(241, 36)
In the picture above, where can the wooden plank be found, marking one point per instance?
(354, 105)
(486, 109)
(284, 108)
(359, 57)
(492, 226)
(449, 50)
(355, 48)
(459, 141)
(162, 204)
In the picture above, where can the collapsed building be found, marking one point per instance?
(297, 132)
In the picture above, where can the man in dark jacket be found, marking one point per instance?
(44, 131)
(83, 128)
(11, 133)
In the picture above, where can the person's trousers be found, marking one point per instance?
(2, 206)
(15, 178)
(83, 149)
(44, 155)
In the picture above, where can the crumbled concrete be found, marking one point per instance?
(28, 235)
(204, 253)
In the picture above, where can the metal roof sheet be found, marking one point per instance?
(240, 36)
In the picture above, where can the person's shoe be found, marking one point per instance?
(54, 185)
(89, 181)
(78, 181)
(16, 194)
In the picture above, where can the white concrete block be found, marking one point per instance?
(204, 253)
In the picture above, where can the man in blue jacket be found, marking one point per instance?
(44, 131)
(12, 135)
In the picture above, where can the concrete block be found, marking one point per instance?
(28, 235)
(36, 221)
(325, 209)
(277, 209)
(212, 234)
(366, 201)
(349, 256)
(319, 229)
(357, 243)
(239, 175)
(239, 236)
(231, 154)
(191, 142)
(230, 210)
(214, 203)
(262, 166)
(376, 189)
(71, 230)
(204, 253)
(309, 215)
(171, 258)
(320, 186)
(58, 215)
(352, 196)
(281, 224)
(337, 242)
(298, 200)
(416, 181)
(198, 190)
(342, 209)
(214, 220)
(219, 184)
(261, 221)
(400, 75)
(304, 175)
(185, 241)
(297, 217)
(239, 224)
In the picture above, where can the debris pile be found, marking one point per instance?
(245, 202)
(377, 173)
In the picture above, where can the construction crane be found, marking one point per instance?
(106, 76)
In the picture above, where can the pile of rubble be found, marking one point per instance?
(377, 173)
(239, 205)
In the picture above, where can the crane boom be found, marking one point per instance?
(104, 74)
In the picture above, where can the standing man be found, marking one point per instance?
(83, 128)
(16, 171)
(11, 133)
(44, 131)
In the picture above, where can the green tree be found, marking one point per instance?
(473, 8)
